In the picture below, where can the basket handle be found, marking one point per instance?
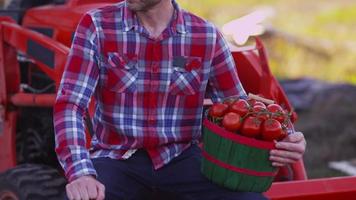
(258, 98)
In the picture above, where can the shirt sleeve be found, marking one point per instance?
(77, 85)
(224, 81)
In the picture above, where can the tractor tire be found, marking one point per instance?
(35, 137)
(32, 182)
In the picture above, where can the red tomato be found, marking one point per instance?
(292, 115)
(251, 127)
(274, 108)
(258, 108)
(272, 130)
(251, 101)
(232, 121)
(240, 107)
(260, 104)
(284, 134)
(218, 110)
(260, 112)
(277, 112)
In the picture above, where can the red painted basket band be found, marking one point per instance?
(234, 168)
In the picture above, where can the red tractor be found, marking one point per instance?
(33, 50)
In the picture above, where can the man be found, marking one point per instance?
(147, 63)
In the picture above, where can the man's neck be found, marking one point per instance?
(157, 18)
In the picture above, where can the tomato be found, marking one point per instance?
(232, 121)
(277, 112)
(260, 112)
(274, 108)
(218, 110)
(251, 102)
(279, 117)
(240, 107)
(283, 135)
(272, 130)
(258, 108)
(251, 127)
(292, 115)
(260, 104)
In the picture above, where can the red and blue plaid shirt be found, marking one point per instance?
(148, 92)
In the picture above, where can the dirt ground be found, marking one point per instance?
(330, 129)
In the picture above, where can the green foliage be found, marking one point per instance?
(339, 15)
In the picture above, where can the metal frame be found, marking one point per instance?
(314, 189)
(15, 38)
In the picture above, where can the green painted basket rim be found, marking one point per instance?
(238, 138)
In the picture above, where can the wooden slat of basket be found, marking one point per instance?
(208, 166)
(223, 155)
(235, 178)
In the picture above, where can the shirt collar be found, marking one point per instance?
(178, 21)
(130, 20)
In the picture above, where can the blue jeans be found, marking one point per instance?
(181, 179)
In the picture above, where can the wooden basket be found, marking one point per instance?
(235, 161)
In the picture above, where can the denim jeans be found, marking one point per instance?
(181, 179)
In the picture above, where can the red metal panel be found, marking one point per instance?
(299, 172)
(7, 142)
(249, 70)
(314, 189)
(8, 57)
(18, 36)
(3, 95)
(29, 99)
(63, 25)
(9, 84)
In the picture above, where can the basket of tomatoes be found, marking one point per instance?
(238, 135)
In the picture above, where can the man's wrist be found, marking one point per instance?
(80, 174)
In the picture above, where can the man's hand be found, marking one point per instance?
(289, 150)
(85, 188)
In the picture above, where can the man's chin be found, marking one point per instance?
(134, 7)
(138, 6)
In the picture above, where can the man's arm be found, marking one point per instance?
(224, 81)
(77, 86)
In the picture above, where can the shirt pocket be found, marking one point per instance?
(186, 76)
(121, 72)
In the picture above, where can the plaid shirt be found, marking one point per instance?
(148, 92)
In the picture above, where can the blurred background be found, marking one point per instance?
(312, 51)
(310, 38)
